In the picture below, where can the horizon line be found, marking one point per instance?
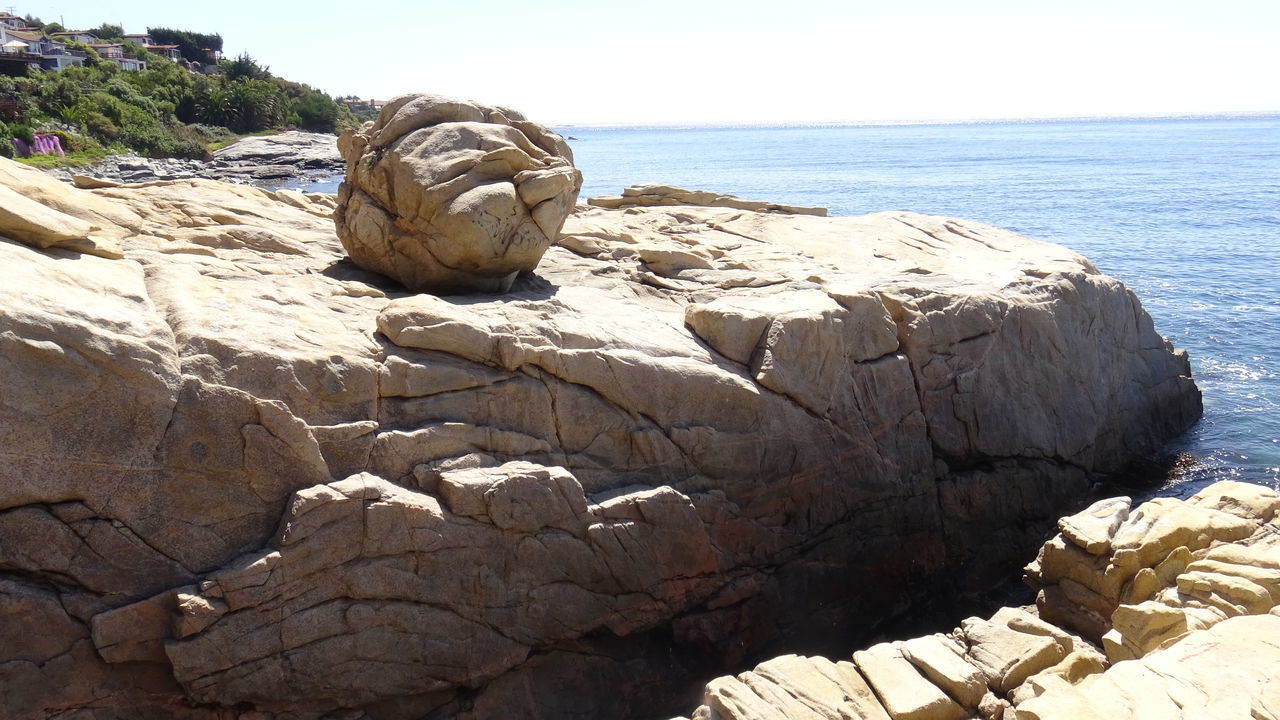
(726, 124)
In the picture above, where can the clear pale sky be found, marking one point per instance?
(662, 61)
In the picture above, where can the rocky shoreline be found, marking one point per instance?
(254, 160)
(245, 477)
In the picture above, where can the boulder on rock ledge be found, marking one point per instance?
(453, 196)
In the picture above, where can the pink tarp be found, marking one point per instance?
(44, 145)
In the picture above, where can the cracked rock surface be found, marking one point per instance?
(242, 477)
(453, 196)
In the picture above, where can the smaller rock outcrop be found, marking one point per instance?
(298, 149)
(654, 195)
(1183, 596)
(451, 196)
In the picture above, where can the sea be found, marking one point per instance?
(1185, 211)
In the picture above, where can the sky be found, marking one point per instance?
(785, 61)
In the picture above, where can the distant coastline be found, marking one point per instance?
(1233, 115)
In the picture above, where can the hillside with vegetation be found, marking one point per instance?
(166, 110)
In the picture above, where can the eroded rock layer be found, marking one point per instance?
(1184, 598)
(240, 475)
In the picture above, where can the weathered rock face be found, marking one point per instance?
(241, 475)
(452, 196)
(1196, 635)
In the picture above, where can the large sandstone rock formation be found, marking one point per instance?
(243, 478)
(451, 196)
(1196, 634)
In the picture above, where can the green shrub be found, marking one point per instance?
(124, 91)
(107, 32)
(191, 45)
(317, 112)
(203, 134)
(22, 132)
(94, 121)
(243, 67)
(69, 142)
(60, 92)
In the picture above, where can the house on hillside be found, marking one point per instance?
(40, 50)
(79, 36)
(12, 21)
(115, 52)
(166, 51)
(142, 39)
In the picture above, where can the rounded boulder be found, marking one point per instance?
(452, 196)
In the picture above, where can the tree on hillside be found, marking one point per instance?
(243, 66)
(107, 32)
(191, 45)
(318, 113)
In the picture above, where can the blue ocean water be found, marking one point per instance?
(1185, 211)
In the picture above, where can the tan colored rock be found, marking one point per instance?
(1070, 670)
(451, 196)
(1148, 559)
(1259, 558)
(1007, 656)
(827, 690)
(1228, 671)
(1199, 644)
(992, 707)
(112, 219)
(1056, 606)
(30, 222)
(1253, 502)
(944, 664)
(903, 691)
(790, 687)
(1139, 629)
(1159, 526)
(654, 195)
(1095, 526)
(363, 540)
(85, 182)
(1150, 580)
